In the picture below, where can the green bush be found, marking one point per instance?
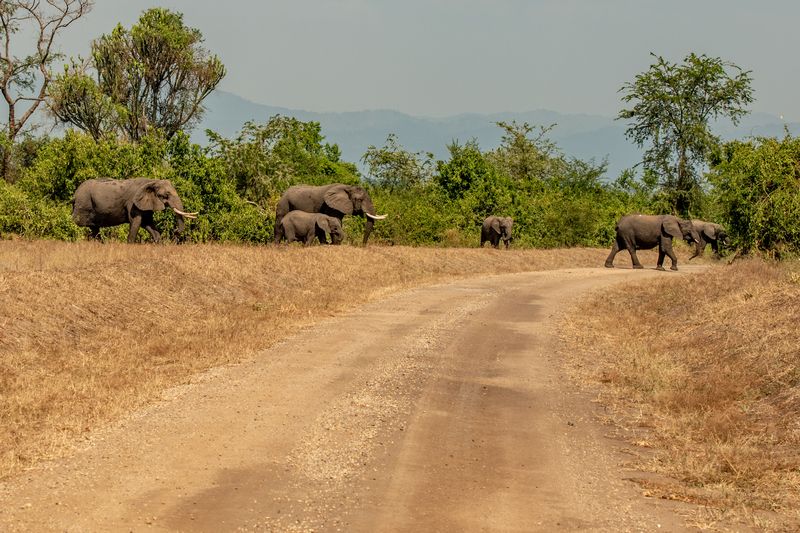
(755, 191)
(34, 218)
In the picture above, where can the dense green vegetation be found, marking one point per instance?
(129, 118)
(235, 184)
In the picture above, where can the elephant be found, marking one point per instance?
(302, 226)
(643, 232)
(335, 200)
(709, 233)
(105, 202)
(496, 228)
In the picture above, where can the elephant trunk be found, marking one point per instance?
(698, 249)
(369, 212)
(368, 229)
(180, 216)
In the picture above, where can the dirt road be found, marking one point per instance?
(444, 408)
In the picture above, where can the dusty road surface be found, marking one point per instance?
(444, 408)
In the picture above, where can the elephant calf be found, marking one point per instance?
(303, 227)
(496, 228)
(643, 232)
(709, 233)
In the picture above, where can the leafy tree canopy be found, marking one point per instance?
(153, 76)
(755, 184)
(671, 107)
(525, 153)
(394, 167)
(24, 80)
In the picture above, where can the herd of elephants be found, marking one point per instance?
(306, 212)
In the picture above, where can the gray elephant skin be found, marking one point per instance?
(496, 229)
(303, 227)
(644, 232)
(709, 233)
(105, 202)
(335, 200)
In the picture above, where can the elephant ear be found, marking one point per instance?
(338, 198)
(670, 227)
(496, 225)
(323, 224)
(146, 199)
(710, 231)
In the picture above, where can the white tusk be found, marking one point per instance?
(377, 217)
(187, 215)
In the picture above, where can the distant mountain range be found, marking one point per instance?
(578, 135)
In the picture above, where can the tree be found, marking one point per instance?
(153, 76)
(525, 158)
(394, 167)
(672, 106)
(755, 184)
(24, 80)
(466, 167)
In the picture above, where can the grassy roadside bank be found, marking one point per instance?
(89, 332)
(706, 377)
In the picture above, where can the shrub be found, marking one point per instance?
(755, 186)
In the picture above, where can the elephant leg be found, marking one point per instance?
(322, 236)
(666, 249)
(136, 222)
(94, 233)
(660, 262)
(289, 233)
(154, 233)
(308, 239)
(149, 225)
(614, 251)
(715, 248)
(507, 242)
(630, 245)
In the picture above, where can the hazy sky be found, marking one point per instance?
(443, 57)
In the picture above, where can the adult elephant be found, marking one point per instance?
(709, 233)
(496, 229)
(335, 200)
(105, 202)
(644, 232)
(303, 227)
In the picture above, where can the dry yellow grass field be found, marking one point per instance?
(701, 371)
(89, 331)
(705, 377)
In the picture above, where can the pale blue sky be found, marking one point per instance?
(443, 57)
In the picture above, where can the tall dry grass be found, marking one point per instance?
(90, 331)
(705, 372)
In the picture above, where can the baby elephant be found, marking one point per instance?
(303, 227)
(496, 228)
(643, 232)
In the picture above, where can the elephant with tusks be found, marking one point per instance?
(105, 202)
(335, 200)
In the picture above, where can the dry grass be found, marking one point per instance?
(705, 372)
(89, 331)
